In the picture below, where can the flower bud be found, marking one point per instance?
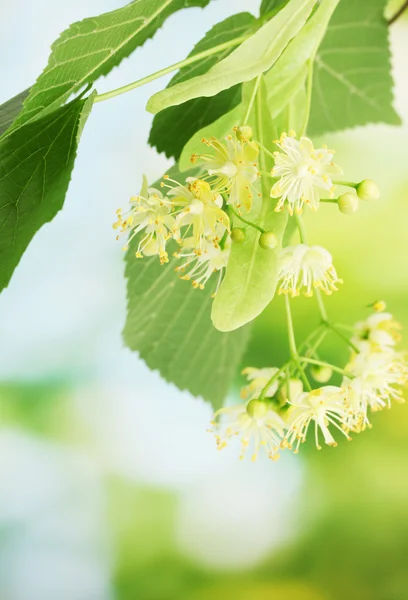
(256, 409)
(295, 389)
(321, 374)
(268, 240)
(244, 133)
(368, 190)
(348, 203)
(238, 235)
(379, 305)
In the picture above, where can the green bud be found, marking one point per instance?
(256, 409)
(368, 190)
(244, 133)
(295, 389)
(268, 240)
(321, 374)
(348, 203)
(238, 235)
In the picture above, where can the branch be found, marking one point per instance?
(398, 13)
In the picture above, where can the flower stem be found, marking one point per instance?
(351, 184)
(252, 99)
(292, 345)
(301, 229)
(183, 63)
(271, 380)
(343, 337)
(238, 216)
(268, 152)
(320, 363)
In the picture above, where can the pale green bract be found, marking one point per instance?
(290, 71)
(92, 47)
(283, 83)
(253, 57)
(250, 281)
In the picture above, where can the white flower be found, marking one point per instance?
(200, 211)
(305, 174)
(234, 166)
(199, 266)
(258, 379)
(325, 407)
(376, 373)
(379, 329)
(303, 268)
(256, 424)
(149, 212)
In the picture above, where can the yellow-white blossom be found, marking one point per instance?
(234, 168)
(380, 329)
(149, 213)
(305, 173)
(304, 268)
(258, 379)
(198, 267)
(256, 425)
(325, 408)
(200, 212)
(377, 376)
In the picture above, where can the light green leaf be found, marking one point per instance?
(253, 57)
(92, 47)
(173, 127)
(35, 169)
(251, 278)
(352, 76)
(290, 71)
(10, 109)
(168, 323)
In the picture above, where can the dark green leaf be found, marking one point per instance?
(271, 7)
(36, 162)
(10, 109)
(92, 47)
(352, 75)
(173, 127)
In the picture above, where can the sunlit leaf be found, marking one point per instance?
(254, 56)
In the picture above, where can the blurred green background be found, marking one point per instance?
(110, 486)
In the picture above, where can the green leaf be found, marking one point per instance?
(289, 73)
(168, 323)
(10, 109)
(352, 76)
(253, 57)
(92, 47)
(271, 7)
(173, 127)
(36, 162)
(251, 278)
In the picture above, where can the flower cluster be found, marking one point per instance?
(195, 213)
(280, 412)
